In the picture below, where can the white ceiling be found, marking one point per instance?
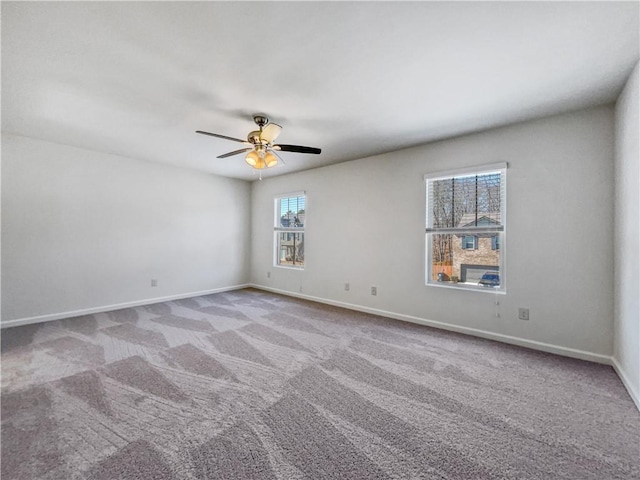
(355, 79)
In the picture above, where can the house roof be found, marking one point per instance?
(291, 216)
(484, 219)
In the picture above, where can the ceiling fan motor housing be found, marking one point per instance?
(254, 137)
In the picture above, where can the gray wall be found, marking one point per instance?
(366, 219)
(627, 247)
(86, 230)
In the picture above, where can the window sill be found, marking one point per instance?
(289, 267)
(466, 287)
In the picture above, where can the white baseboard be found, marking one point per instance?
(522, 342)
(625, 381)
(107, 308)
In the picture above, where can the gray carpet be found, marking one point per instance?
(250, 385)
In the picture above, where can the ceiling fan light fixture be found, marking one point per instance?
(253, 159)
(260, 162)
(270, 159)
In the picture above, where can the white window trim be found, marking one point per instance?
(458, 172)
(278, 230)
(500, 167)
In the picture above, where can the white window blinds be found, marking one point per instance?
(290, 212)
(463, 201)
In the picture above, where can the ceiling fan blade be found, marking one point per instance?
(235, 152)
(270, 132)
(297, 149)
(221, 136)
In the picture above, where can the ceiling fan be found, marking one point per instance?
(259, 143)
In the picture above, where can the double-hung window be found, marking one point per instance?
(470, 242)
(290, 218)
(466, 220)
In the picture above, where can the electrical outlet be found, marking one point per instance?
(268, 274)
(523, 313)
(374, 291)
(346, 287)
(154, 282)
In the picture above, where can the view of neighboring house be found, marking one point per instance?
(292, 243)
(469, 255)
(475, 254)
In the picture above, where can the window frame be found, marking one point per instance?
(500, 168)
(278, 229)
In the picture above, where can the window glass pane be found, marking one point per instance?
(290, 219)
(478, 265)
(467, 201)
(469, 242)
(291, 212)
(442, 256)
(290, 249)
(465, 225)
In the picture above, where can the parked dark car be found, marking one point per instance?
(490, 279)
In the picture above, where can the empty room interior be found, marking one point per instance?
(320, 240)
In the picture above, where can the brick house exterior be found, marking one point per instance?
(482, 250)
